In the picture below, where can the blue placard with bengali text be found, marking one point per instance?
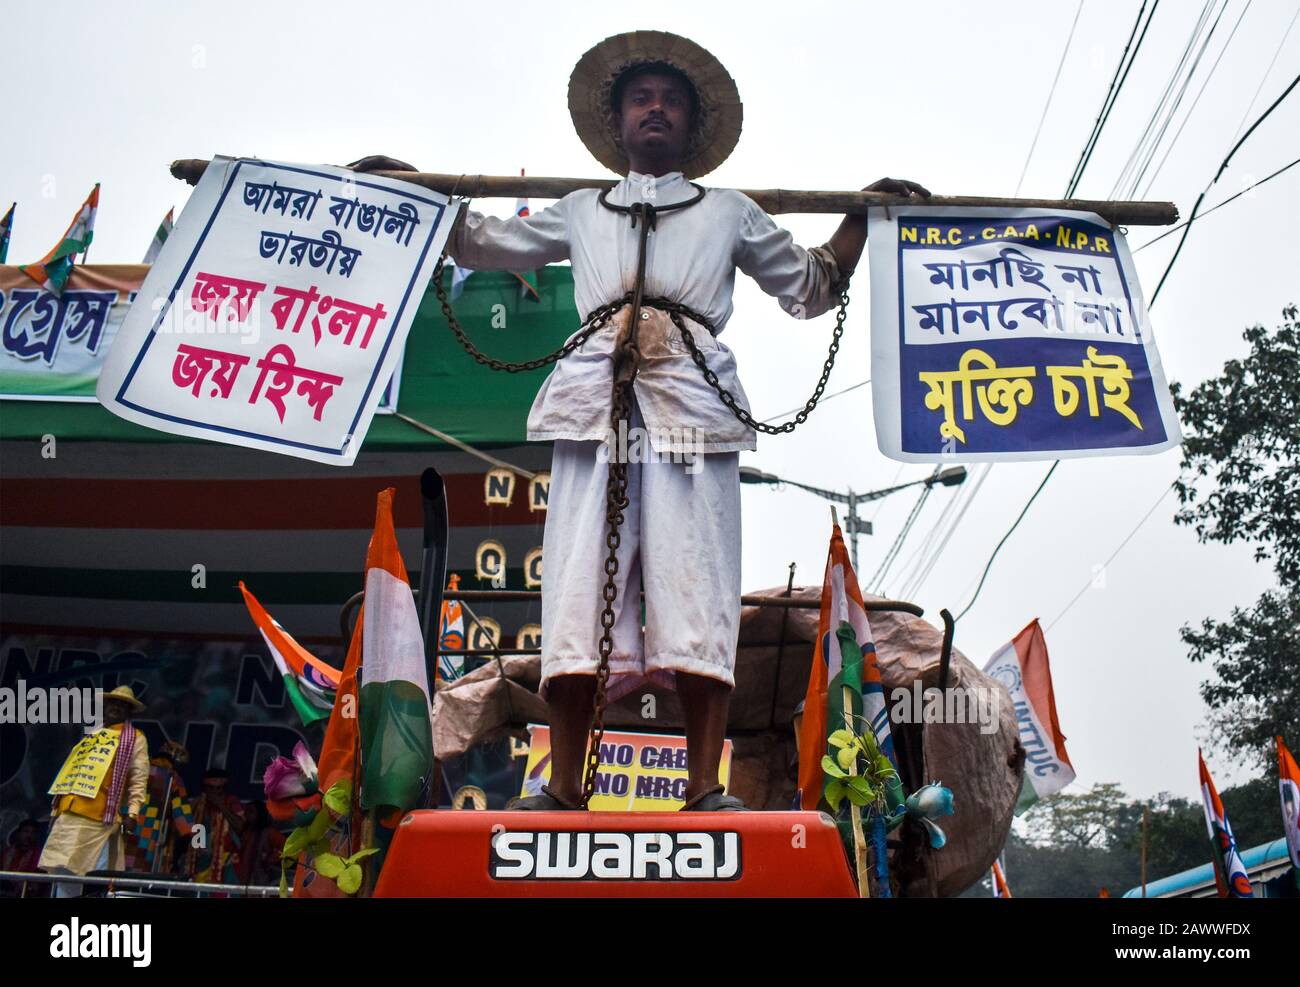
(1002, 335)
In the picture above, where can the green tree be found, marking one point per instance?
(1177, 839)
(1064, 854)
(1085, 819)
(1240, 481)
(1068, 846)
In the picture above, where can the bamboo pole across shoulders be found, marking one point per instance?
(773, 201)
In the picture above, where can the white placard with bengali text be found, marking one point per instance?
(278, 309)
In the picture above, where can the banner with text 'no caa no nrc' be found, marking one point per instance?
(638, 772)
(278, 308)
(1002, 335)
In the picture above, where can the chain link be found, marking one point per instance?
(616, 502)
(592, 325)
(676, 312)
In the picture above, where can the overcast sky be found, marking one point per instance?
(836, 95)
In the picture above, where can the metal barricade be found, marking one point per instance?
(139, 886)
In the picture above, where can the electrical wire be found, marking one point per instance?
(1196, 102)
(1174, 229)
(1112, 94)
(1015, 524)
(1147, 129)
(952, 529)
(1264, 116)
(1113, 555)
(1127, 57)
(1046, 106)
(1148, 140)
(888, 560)
(1117, 84)
(880, 504)
(1080, 167)
(1264, 78)
(1223, 167)
(917, 558)
(824, 398)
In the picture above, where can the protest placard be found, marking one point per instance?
(1002, 335)
(278, 309)
(639, 772)
(52, 346)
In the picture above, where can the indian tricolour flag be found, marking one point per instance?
(1288, 783)
(383, 743)
(396, 720)
(159, 238)
(844, 662)
(451, 635)
(309, 682)
(1229, 872)
(51, 271)
(1023, 667)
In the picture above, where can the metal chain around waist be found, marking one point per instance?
(679, 313)
(598, 318)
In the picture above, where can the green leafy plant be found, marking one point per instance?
(343, 871)
(859, 771)
(312, 843)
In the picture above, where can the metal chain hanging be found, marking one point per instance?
(626, 364)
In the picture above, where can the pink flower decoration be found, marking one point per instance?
(290, 777)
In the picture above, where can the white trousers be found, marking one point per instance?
(680, 542)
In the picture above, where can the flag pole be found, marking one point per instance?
(855, 812)
(369, 870)
(774, 200)
(164, 817)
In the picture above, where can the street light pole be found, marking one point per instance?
(951, 477)
(853, 527)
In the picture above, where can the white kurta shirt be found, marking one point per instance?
(691, 258)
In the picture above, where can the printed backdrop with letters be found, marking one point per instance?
(278, 308)
(52, 346)
(1003, 335)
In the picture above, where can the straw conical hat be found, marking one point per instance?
(717, 122)
(125, 694)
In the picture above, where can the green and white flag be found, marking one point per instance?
(159, 238)
(6, 228)
(309, 682)
(51, 271)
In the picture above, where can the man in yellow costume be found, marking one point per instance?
(103, 781)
